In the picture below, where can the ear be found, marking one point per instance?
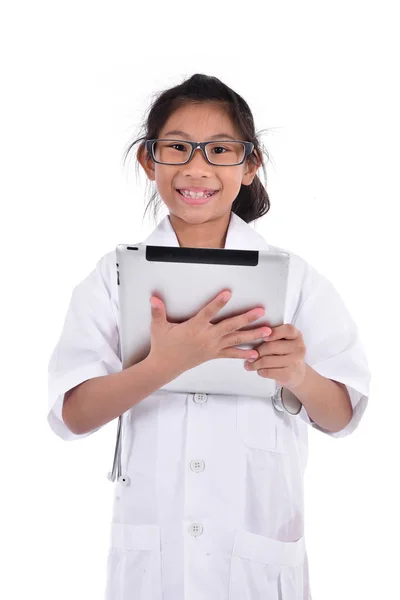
(251, 167)
(146, 162)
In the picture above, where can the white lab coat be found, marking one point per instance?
(210, 505)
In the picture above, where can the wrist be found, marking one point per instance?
(160, 368)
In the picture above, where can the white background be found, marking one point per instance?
(77, 78)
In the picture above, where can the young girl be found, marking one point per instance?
(210, 501)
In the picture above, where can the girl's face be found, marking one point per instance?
(199, 123)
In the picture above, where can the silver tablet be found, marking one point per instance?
(186, 279)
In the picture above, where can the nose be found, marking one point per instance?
(197, 163)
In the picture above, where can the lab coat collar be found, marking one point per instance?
(240, 235)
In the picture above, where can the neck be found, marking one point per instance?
(211, 234)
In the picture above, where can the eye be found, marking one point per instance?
(179, 147)
(215, 148)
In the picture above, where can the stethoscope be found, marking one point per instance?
(116, 473)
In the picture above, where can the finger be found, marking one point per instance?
(209, 311)
(244, 337)
(269, 362)
(237, 353)
(157, 310)
(228, 326)
(280, 347)
(286, 332)
(279, 375)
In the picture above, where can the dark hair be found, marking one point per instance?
(252, 201)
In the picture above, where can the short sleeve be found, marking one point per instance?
(334, 348)
(89, 343)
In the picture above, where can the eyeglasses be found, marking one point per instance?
(226, 153)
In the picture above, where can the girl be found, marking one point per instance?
(210, 502)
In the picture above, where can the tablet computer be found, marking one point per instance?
(186, 279)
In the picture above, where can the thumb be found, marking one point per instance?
(157, 310)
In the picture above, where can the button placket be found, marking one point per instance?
(197, 466)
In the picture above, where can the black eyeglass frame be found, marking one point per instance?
(248, 149)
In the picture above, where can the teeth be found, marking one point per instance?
(190, 194)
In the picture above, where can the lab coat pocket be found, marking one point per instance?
(260, 425)
(134, 563)
(263, 567)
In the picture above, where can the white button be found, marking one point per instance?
(200, 398)
(124, 479)
(197, 465)
(196, 529)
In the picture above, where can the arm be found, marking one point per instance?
(99, 400)
(326, 401)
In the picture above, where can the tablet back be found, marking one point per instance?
(186, 279)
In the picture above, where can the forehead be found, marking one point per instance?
(200, 121)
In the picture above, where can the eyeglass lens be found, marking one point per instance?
(219, 153)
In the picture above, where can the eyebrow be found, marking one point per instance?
(183, 134)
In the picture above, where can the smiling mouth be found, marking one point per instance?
(197, 195)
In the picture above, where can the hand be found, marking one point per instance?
(281, 357)
(178, 347)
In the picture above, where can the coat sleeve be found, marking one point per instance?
(334, 348)
(88, 346)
